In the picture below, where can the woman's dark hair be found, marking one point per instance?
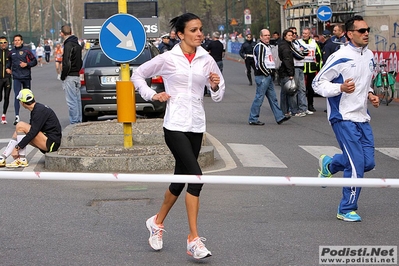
(286, 31)
(179, 23)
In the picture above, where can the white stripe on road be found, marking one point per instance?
(252, 155)
(317, 151)
(34, 160)
(391, 152)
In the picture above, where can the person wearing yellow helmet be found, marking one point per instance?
(43, 131)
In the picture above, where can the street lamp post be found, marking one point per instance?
(30, 22)
(267, 15)
(52, 20)
(227, 18)
(16, 15)
(41, 17)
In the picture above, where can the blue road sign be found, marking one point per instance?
(52, 31)
(324, 13)
(122, 38)
(221, 27)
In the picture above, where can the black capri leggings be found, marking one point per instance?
(185, 147)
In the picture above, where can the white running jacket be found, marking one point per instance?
(184, 82)
(347, 62)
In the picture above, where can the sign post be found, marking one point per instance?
(120, 45)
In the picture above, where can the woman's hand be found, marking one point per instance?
(214, 80)
(162, 97)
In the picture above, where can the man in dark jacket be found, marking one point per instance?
(264, 82)
(71, 65)
(165, 45)
(5, 78)
(246, 52)
(334, 43)
(21, 60)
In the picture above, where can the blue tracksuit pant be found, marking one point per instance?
(357, 144)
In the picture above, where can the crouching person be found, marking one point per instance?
(43, 131)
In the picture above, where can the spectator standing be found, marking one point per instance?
(312, 63)
(288, 103)
(71, 65)
(173, 40)
(165, 45)
(345, 81)
(21, 60)
(42, 132)
(334, 43)
(275, 40)
(186, 69)
(326, 35)
(58, 52)
(223, 41)
(5, 78)
(299, 52)
(216, 50)
(246, 53)
(264, 81)
(47, 51)
(39, 54)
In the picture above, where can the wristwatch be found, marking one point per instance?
(17, 147)
(372, 92)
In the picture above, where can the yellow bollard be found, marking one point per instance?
(126, 109)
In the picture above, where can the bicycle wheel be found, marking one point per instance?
(388, 95)
(380, 92)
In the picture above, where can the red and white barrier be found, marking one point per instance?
(206, 179)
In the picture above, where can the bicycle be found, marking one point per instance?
(385, 83)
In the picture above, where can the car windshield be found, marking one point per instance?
(97, 58)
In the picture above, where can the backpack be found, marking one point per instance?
(276, 59)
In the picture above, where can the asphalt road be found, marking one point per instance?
(98, 223)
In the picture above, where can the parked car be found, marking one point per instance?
(98, 78)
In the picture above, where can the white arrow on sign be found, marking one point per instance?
(127, 42)
(323, 13)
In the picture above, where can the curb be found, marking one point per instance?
(98, 147)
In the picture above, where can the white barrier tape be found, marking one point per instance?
(210, 179)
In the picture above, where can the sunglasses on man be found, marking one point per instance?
(3, 42)
(362, 30)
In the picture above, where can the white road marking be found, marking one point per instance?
(391, 152)
(317, 151)
(252, 155)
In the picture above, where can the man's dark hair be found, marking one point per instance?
(349, 24)
(18, 35)
(3, 37)
(66, 30)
